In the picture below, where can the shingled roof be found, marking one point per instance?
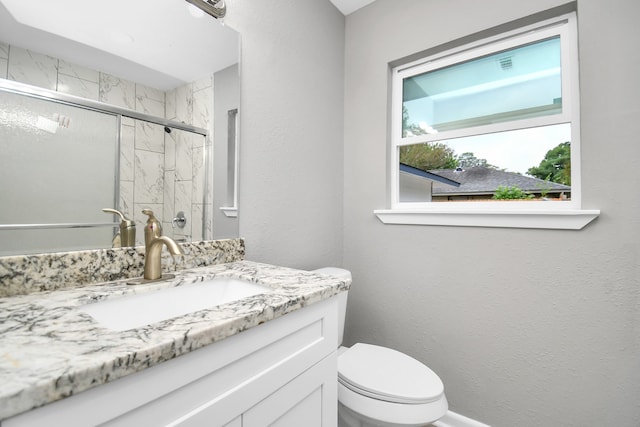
(481, 180)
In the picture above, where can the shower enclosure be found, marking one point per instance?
(64, 158)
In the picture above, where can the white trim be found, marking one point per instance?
(571, 87)
(231, 212)
(543, 219)
(451, 419)
(236, 166)
(528, 29)
(512, 125)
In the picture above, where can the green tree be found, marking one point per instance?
(428, 156)
(510, 193)
(556, 165)
(409, 128)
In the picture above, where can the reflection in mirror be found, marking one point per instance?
(525, 164)
(225, 155)
(168, 177)
(68, 158)
(45, 149)
(160, 163)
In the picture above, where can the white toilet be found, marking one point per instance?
(381, 387)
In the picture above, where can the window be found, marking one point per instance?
(231, 208)
(488, 133)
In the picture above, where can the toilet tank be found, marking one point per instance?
(343, 274)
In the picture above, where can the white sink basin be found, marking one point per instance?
(133, 311)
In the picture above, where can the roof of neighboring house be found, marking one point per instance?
(428, 175)
(483, 180)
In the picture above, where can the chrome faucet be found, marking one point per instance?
(153, 242)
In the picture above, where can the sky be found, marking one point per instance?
(515, 151)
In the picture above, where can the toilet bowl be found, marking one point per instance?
(382, 387)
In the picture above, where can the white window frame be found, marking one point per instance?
(528, 214)
(232, 145)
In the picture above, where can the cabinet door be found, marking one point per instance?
(309, 400)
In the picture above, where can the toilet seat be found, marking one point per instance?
(388, 388)
(385, 374)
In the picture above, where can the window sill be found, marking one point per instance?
(231, 212)
(559, 219)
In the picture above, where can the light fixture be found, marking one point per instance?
(215, 8)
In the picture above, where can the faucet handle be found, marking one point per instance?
(127, 235)
(113, 211)
(148, 212)
(153, 227)
(124, 221)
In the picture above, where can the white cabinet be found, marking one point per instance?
(282, 373)
(305, 401)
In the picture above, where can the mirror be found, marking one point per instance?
(162, 80)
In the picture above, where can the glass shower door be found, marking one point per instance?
(58, 169)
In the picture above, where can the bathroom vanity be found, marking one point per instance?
(268, 358)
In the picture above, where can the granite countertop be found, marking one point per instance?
(49, 349)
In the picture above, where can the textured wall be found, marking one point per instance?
(526, 328)
(291, 131)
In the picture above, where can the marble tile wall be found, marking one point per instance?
(160, 171)
(185, 165)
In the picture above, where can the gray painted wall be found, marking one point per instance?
(527, 328)
(291, 150)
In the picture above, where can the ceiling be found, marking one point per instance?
(162, 49)
(348, 6)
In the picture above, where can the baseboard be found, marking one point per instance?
(451, 419)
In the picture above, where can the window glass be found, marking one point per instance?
(529, 164)
(517, 83)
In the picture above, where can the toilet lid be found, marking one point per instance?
(386, 374)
